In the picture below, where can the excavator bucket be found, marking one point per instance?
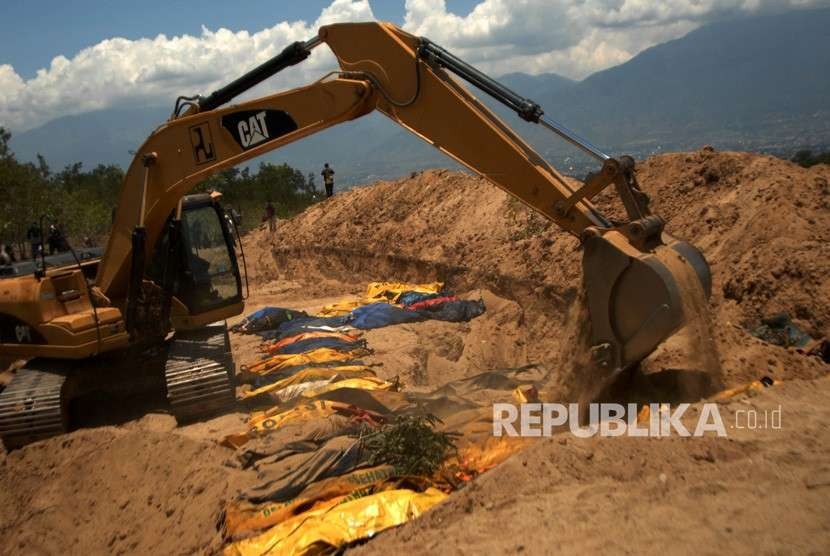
(638, 298)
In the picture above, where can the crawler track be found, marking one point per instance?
(199, 373)
(33, 406)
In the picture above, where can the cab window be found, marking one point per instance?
(211, 276)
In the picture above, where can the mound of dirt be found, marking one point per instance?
(762, 223)
(759, 491)
(136, 489)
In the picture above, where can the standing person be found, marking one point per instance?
(269, 216)
(33, 235)
(54, 238)
(328, 179)
(5, 258)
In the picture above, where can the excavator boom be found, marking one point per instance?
(632, 270)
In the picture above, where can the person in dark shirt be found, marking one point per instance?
(328, 179)
(269, 216)
(33, 236)
(53, 238)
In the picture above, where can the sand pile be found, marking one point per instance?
(763, 224)
(759, 491)
(140, 488)
(436, 221)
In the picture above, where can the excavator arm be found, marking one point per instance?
(185, 151)
(636, 276)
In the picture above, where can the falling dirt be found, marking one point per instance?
(763, 225)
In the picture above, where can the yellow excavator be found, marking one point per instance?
(154, 313)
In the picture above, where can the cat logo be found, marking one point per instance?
(254, 130)
(251, 128)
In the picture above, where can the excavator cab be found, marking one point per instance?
(200, 269)
(210, 277)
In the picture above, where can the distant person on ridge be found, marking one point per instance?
(328, 179)
(53, 238)
(269, 216)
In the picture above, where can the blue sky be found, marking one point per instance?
(62, 57)
(32, 32)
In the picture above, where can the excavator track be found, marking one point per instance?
(32, 407)
(200, 373)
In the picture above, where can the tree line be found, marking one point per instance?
(80, 202)
(806, 158)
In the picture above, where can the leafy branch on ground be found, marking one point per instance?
(410, 443)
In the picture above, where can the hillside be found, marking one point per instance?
(741, 82)
(758, 83)
(761, 222)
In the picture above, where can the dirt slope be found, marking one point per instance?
(142, 488)
(759, 491)
(763, 224)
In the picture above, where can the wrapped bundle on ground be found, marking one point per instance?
(266, 319)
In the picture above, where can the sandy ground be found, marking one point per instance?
(764, 225)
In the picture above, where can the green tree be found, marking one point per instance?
(806, 158)
(81, 201)
(5, 136)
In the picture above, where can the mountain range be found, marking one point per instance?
(758, 83)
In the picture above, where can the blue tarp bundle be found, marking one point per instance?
(780, 330)
(304, 324)
(267, 318)
(377, 315)
(408, 298)
(275, 323)
(315, 343)
(456, 311)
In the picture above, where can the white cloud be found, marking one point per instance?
(570, 37)
(118, 71)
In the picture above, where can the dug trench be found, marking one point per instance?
(763, 224)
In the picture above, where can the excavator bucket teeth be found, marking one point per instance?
(637, 299)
